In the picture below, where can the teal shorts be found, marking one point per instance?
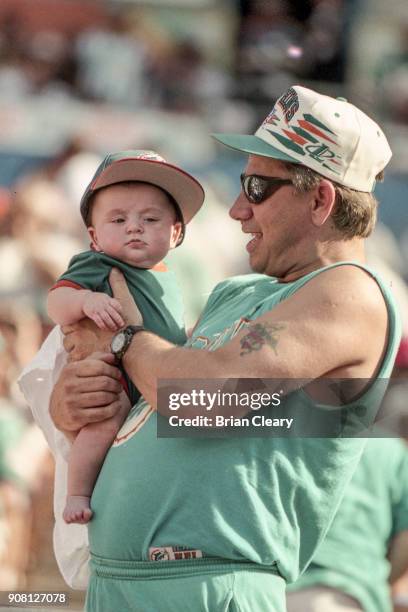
(201, 585)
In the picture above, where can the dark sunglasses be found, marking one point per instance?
(258, 188)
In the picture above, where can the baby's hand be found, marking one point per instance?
(104, 310)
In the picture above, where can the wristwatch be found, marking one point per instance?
(122, 339)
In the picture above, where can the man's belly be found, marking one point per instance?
(192, 493)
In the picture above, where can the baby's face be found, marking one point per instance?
(135, 223)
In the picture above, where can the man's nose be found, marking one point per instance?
(241, 209)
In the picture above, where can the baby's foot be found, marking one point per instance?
(77, 509)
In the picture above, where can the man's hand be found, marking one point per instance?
(86, 392)
(84, 338)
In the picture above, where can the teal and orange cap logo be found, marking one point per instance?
(301, 133)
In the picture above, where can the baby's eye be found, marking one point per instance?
(151, 219)
(118, 220)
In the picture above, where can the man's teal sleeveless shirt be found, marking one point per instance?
(268, 501)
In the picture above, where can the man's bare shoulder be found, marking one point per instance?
(340, 319)
(349, 287)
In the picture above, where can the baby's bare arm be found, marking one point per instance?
(65, 305)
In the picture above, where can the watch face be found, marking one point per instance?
(118, 342)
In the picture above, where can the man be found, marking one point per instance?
(366, 546)
(244, 515)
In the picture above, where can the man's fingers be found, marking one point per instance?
(94, 415)
(94, 367)
(99, 383)
(98, 368)
(101, 413)
(94, 398)
(107, 357)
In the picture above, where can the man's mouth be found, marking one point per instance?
(256, 237)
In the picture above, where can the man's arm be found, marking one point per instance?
(336, 325)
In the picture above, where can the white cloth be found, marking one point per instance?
(316, 599)
(36, 382)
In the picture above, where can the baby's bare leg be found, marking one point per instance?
(86, 457)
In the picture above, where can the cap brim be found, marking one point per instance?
(253, 145)
(184, 188)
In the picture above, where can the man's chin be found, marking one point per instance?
(256, 266)
(261, 268)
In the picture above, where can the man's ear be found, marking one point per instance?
(324, 197)
(94, 238)
(176, 234)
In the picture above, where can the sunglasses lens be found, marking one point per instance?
(258, 188)
(255, 189)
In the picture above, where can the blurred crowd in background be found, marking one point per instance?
(79, 78)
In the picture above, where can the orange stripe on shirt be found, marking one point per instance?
(66, 283)
(160, 267)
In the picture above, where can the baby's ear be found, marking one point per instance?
(176, 234)
(94, 239)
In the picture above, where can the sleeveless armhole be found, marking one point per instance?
(394, 320)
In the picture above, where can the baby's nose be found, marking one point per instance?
(135, 225)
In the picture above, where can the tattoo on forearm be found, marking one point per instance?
(259, 335)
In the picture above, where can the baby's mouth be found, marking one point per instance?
(135, 242)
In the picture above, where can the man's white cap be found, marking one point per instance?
(329, 135)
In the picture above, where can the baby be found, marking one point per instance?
(135, 210)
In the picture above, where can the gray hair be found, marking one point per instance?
(355, 212)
